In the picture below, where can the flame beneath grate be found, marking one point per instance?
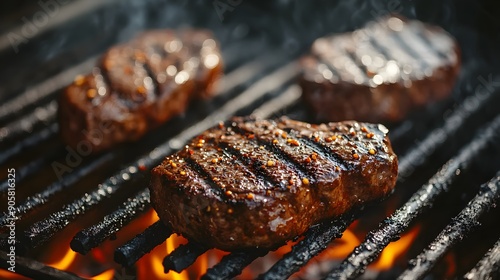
(151, 265)
(395, 250)
(65, 261)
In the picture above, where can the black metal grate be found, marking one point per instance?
(261, 68)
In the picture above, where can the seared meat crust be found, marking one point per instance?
(137, 86)
(258, 183)
(379, 73)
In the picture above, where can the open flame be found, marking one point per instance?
(395, 249)
(150, 266)
(98, 264)
(341, 247)
(67, 259)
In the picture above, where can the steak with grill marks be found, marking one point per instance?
(258, 183)
(138, 86)
(379, 73)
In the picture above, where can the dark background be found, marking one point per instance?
(287, 26)
(291, 25)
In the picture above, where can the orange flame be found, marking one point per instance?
(395, 249)
(64, 258)
(342, 247)
(64, 262)
(106, 275)
(151, 265)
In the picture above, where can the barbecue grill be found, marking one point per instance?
(448, 184)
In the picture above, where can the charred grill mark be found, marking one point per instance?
(202, 173)
(261, 159)
(377, 47)
(150, 74)
(227, 172)
(254, 166)
(133, 63)
(409, 49)
(148, 71)
(322, 151)
(297, 167)
(420, 34)
(105, 80)
(401, 54)
(417, 46)
(327, 63)
(248, 168)
(357, 62)
(316, 189)
(341, 72)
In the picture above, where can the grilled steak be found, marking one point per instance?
(138, 86)
(258, 183)
(380, 72)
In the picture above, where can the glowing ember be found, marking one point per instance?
(451, 265)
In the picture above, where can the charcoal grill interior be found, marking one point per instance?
(449, 151)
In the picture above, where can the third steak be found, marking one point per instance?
(381, 72)
(258, 183)
(137, 86)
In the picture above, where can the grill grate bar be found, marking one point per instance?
(421, 200)
(45, 89)
(35, 270)
(143, 243)
(456, 231)
(245, 72)
(183, 256)
(27, 170)
(232, 265)
(121, 218)
(285, 100)
(56, 187)
(41, 231)
(91, 237)
(488, 267)
(227, 83)
(24, 125)
(435, 139)
(43, 197)
(315, 241)
(29, 142)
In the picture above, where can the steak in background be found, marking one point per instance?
(381, 72)
(258, 183)
(138, 86)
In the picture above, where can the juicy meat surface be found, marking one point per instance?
(258, 183)
(137, 86)
(379, 73)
